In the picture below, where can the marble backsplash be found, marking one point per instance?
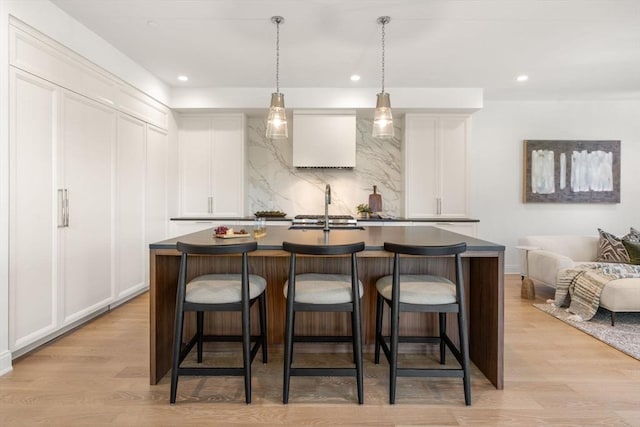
(274, 184)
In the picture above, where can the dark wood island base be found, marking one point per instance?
(483, 265)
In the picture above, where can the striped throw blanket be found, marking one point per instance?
(580, 287)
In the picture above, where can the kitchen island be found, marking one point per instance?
(483, 266)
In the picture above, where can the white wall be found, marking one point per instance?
(496, 159)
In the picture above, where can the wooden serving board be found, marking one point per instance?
(232, 236)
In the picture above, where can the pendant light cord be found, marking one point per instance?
(278, 56)
(383, 34)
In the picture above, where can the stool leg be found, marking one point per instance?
(464, 349)
(246, 349)
(200, 333)
(379, 309)
(357, 340)
(462, 325)
(177, 344)
(353, 337)
(442, 321)
(393, 363)
(288, 349)
(263, 326)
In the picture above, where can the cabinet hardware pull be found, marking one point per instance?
(61, 216)
(66, 208)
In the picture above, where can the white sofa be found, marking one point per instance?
(544, 256)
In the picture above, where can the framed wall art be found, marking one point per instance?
(571, 171)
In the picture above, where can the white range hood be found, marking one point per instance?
(324, 139)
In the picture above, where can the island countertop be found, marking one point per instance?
(374, 238)
(483, 265)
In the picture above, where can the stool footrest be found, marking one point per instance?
(197, 371)
(322, 338)
(321, 372)
(426, 372)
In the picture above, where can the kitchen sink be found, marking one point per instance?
(321, 227)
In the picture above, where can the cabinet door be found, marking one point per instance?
(88, 133)
(228, 166)
(195, 141)
(129, 207)
(156, 221)
(453, 175)
(421, 166)
(32, 214)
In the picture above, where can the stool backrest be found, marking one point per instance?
(454, 249)
(349, 248)
(235, 248)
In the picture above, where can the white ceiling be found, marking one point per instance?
(569, 48)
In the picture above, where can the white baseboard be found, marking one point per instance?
(5, 362)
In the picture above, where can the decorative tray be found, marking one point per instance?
(232, 236)
(270, 214)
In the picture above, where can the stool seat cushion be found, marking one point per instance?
(222, 288)
(319, 288)
(419, 289)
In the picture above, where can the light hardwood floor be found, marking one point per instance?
(554, 375)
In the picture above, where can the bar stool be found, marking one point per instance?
(218, 292)
(323, 292)
(423, 293)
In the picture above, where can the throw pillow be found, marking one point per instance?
(633, 236)
(633, 249)
(611, 248)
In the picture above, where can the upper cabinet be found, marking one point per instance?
(212, 151)
(39, 55)
(435, 160)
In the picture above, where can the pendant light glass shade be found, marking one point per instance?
(277, 120)
(382, 117)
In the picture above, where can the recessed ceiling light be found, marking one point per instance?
(183, 78)
(355, 78)
(522, 78)
(152, 23)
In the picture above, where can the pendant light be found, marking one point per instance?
(382, 118)
(277, 120)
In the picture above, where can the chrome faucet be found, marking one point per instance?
(327, 202)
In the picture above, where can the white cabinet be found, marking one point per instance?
(61, 156)
(435, 165)
(33, 307)
(130, 206)
(85, 164)
(87, 193)
(212, 165)
(156, 216)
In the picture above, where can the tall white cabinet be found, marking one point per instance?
(32, 202)
(435, 165)
(130, 205)
(88, 178)
(84, 159)
(212, 165)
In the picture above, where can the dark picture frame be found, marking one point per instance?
(557, 171)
